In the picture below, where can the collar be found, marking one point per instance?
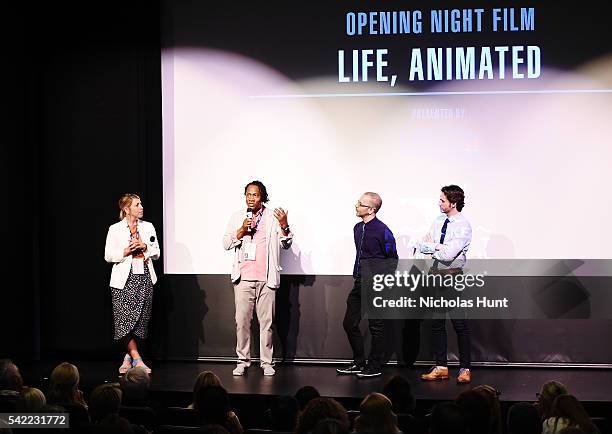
(375, 219)
(453, 218)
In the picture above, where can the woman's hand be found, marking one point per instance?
(135, 244)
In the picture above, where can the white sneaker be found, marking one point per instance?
(268, 370)
(239, 370)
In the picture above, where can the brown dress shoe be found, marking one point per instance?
(464, 376)
(436, 373)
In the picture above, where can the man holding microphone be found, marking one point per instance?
(256, 236)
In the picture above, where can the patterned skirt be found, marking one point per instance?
(132, 305)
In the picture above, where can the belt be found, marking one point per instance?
(446, 271)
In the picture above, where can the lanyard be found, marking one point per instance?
(137, 233)
(256, 225)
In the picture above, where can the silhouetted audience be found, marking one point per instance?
(283, 413)
(523, 418)
(477, 411)
(112, 424)
(448, 418)
(399, 391)
(376, 416)
(492, 396)
(213, 406)
(319, 409)
(330, 426)
(64, 392)
(104, 401)
(11, 384)
(546, 396)
(30, 400)
(567, 411)
(306, 394)
(204, 379)
(135, 385)
(474, 411)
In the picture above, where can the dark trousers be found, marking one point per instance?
(351, 322)
(411, 341)
(462, 328)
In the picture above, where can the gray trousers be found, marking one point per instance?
(249, 295)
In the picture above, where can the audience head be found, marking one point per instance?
(448, 418)
(30, 400)
(49, 408)
(306, 394)
(10, 377)
(491, 394)
(104, 401)
(212, 404)
(284, 412)
(549, 391)
(330, 426)
(477, 411)
(568, 407)
(523, 418)
(376, 415)
(319, 409)
(63, 384)
(205, 379)
(113, 424)
(399, 391)
(135, 386)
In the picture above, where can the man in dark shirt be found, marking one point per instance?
(373, 241)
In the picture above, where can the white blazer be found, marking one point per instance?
(274, 237)
(117, 239)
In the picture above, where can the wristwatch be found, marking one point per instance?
(285, 229)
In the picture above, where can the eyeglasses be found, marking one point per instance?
(359, 204)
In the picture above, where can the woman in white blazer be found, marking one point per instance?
(131, 244)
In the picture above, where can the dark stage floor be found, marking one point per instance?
(515, 384)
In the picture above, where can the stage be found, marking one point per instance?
(591, 386)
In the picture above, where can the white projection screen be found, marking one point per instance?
(253, 95)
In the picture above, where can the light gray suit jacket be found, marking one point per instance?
(274, 238)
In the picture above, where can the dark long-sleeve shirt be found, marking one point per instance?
(373, 240)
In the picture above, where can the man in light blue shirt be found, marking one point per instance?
(449, 237)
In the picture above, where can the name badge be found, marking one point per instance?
(250, 250)
(137, 266)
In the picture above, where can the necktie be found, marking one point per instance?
(442, 236)
(444, 231)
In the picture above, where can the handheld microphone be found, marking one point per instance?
(249, 215)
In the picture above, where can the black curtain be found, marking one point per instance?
(84, 127)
